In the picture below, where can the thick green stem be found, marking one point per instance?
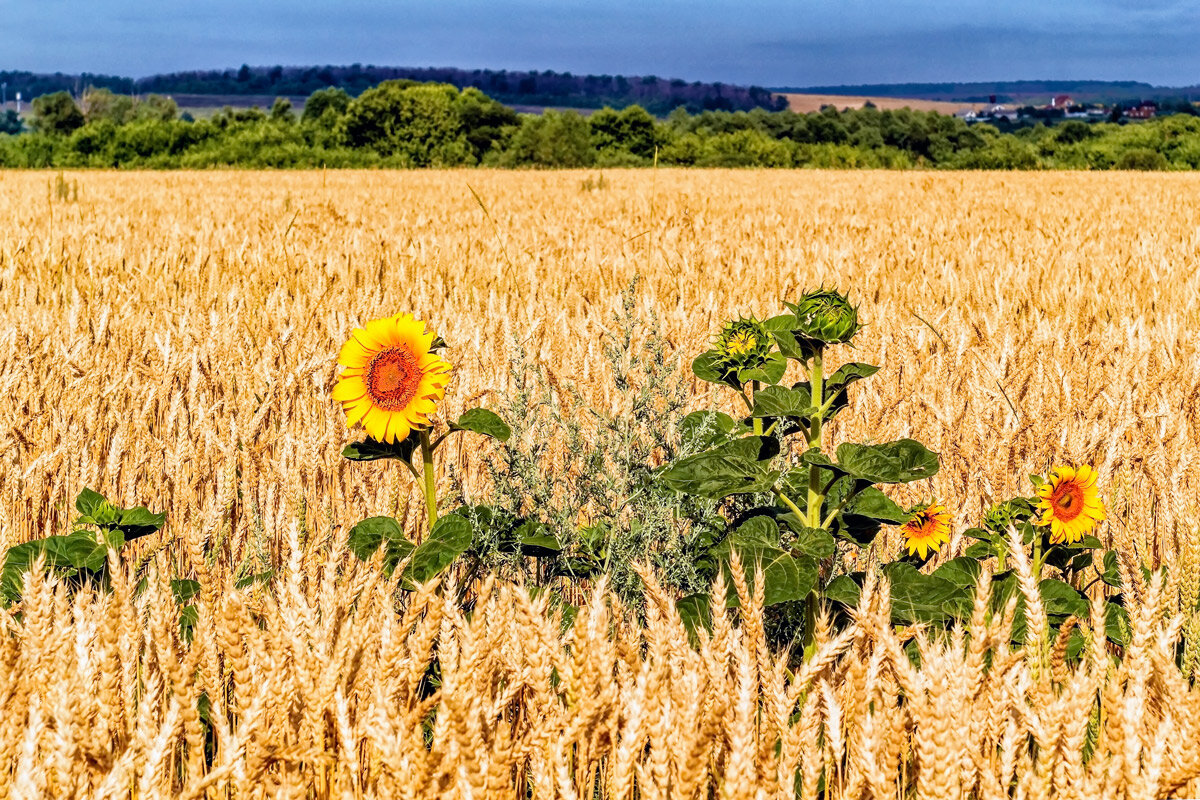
(815, 496)
(430, 478)
(758, 423)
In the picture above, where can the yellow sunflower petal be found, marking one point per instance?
(348, 389)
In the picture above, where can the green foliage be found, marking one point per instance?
(56, 114)
(83, 554)
(410, 124)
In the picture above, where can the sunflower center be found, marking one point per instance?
(1067, 500)
(392, 378)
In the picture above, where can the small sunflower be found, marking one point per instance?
(927, 529)
(1070, 503)
(392, 380)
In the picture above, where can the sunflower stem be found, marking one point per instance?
(430, 478)
(815, 496)
(758, 423)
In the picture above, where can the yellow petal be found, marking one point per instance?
(397, 428)
(355, 412)
(348, 389)
(354, 354)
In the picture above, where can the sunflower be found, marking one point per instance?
(1070, 503)
(392, 380)
(927, 529)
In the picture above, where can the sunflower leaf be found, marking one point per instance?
(481, 420)
(371, 450)
(895, 462)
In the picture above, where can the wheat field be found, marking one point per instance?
(169, 339)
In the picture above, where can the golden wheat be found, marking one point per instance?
(169, 339)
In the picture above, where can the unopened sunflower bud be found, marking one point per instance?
(742, 343)
(827, 316)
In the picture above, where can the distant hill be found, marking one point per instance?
(531, 88)
(1010, 91)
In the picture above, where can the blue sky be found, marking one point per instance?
(768, 42)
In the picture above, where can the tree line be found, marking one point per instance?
(406, 123)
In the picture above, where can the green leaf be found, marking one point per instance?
(963, 572)
(184, 589)
(815, 542)
(785, 578)
(695, 613)
(449, 539)
(371, 450)
(88, 502)
(1116, 624)
(847, 374)
(704, 367)
(139, 521)
(771, 371)
(1062, 600)
(534, 541)
(736, 467)
(779, 401)
(874, 504)
(895, 462)
(701, 430)
(481, 420)
(917, 597)
(1112, 574)
(845, 589)
(366, 537)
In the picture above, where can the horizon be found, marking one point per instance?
(766, 43)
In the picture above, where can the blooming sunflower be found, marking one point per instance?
(927, 529)
(392, 380)
(1070, 503)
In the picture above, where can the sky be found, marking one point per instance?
(764, 42)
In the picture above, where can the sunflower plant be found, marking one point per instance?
(393, 379)
(819, 499)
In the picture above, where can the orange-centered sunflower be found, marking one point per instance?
(392, 381)
(927, 529)
(1070, 503)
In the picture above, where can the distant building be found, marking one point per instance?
(1144, 110)
(1060, 101)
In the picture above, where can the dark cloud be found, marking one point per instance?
(769, 42)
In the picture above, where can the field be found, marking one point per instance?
(170, 339)
(807, 103)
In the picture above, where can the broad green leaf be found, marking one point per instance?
(1112, 574)
(701, 430)
(481, 420)
(88, 502)
(704, 367)
(533, 539)
(737, 467)
(139, 521)
(1116, 624)
(184, 589)
(450, 538)
(874, 504)
(895, 462)
(847, 374)
(371, 450)
(962, 572)
(779, 401)
(815, 542)
(771, 371)
(695, 613)
(1062, 600)
(760, 530)
(785, 578)
(917, 597)
(845, 589)
(366, 537)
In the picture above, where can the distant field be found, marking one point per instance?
(804, 103)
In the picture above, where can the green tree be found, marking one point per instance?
(10, 122)
(631, 130)
(417, 124)
(281, 111)
(552, 139)
(325, 106)
(56, 114)
(102, 105)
